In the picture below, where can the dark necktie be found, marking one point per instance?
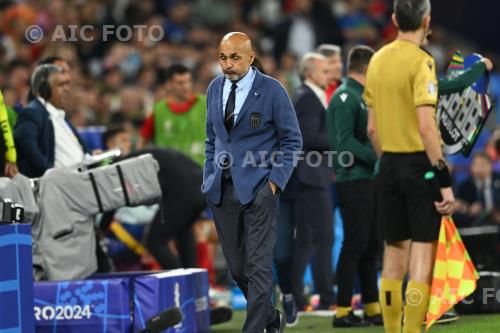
(230, 105)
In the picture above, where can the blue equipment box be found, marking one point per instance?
(16, 279)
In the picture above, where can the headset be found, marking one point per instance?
(40, 80)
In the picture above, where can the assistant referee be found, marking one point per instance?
(401, 93)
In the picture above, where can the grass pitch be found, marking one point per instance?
(466, 324)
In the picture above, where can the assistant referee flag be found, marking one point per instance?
(454, 275)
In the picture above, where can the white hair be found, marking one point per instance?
(329, 50)
(307, 63)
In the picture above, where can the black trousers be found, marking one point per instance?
(314, 240)
(361, 245)
(284, 248)
(247, 234)
(174, 221)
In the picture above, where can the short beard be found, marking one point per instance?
(232, 77)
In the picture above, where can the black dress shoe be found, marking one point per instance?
(279, 326)
(376, 320)
(351, 320)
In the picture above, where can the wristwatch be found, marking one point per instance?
(441, 165)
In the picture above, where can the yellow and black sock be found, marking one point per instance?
(391, 303)
(417, 302)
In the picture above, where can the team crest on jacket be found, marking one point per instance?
(255, 120)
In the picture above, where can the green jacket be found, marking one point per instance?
(447, 86)
(347, 117)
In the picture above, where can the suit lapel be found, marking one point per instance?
(253, 95)
(49, 137)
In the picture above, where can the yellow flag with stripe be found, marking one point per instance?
(454, 275)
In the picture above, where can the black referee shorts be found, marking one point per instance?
(405, 199)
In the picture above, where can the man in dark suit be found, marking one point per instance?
(310, 198)
(252, 140)
(478, 210)
(478, 197)
(44, 137)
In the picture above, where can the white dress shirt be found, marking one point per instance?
(68, 151)
(244, 86)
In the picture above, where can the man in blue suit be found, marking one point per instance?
(253, 139)
(44, 137)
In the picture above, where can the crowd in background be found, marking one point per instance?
(120, 82)
(116, 80)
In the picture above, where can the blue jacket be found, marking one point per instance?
(34, 139)
(264, 142)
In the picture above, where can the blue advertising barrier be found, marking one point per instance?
(123, 302)
(16, 279)
(100, 306)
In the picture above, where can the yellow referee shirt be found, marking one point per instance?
(401, 76)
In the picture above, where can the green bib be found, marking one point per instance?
(182, 131)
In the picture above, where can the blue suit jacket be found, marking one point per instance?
(263, 143)
(34, 139)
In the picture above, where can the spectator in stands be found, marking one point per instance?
(288, 74)
(333, 54)
(493, 145)
(478, 206)
(479, 195)
(310, 23)
(178, 121)
(43, 137)
(356, 24)
(55, 60)
(18, 76)
(132, 103)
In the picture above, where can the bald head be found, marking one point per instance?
(237, 38)
(235, 55)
